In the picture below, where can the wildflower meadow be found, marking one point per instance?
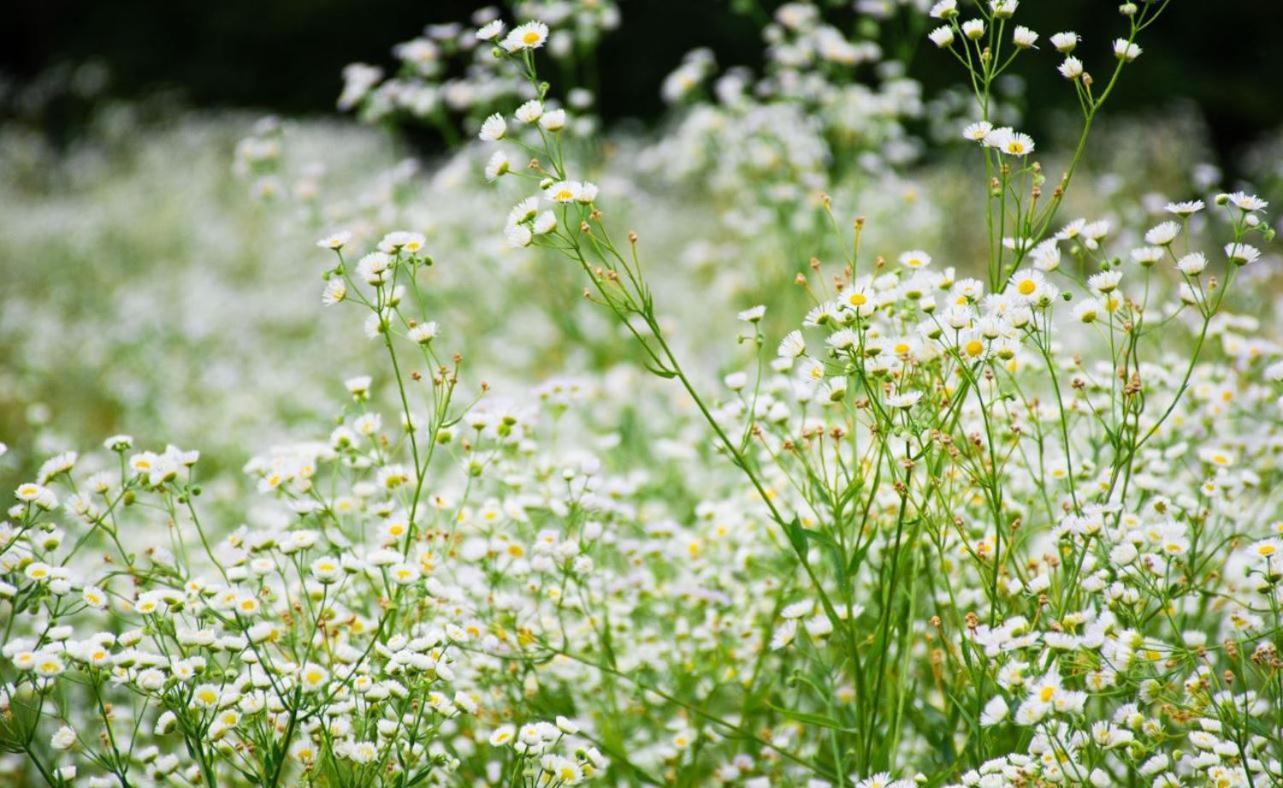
(832, 431)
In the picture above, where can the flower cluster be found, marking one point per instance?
(447, 78)
(984, 513)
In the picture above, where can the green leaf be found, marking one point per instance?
(660, 371)
(811, 719)
(796, 535)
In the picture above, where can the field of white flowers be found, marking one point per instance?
(831, 433)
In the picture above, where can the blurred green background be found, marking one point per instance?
(145, 289)
(285, 55)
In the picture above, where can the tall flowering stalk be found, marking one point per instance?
(937, 418)
(1016, 529)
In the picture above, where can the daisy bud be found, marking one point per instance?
(118, 443)
(553, 121)
(63, 738)
(945, 9)
(976, 132)
(1147, 256)
(1162, 234)
(530, 112)
(1242, 254)
(165, 723)
(545, 223)
(423, 333)
(1023, 37)
(1123, 554)
(1004, 9)
(358, 387)
(1192, 264)
(493, 129)
(497, 166)
(1087, 311)
(490, 31)
(1125, 50)
(335, 241)
(335, 292)
(518, 236)
(942, 36)
(567, 726)
(1065, 42)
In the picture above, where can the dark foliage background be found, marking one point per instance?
(285, 55)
